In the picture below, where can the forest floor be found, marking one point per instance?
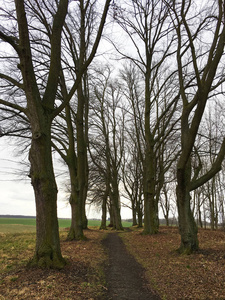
(158, 268)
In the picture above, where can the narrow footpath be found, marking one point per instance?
(124, 275)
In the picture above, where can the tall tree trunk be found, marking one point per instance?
(212, 213)
(199, 214)
(81, 123)
(116, 202)
(187, 226)
(104, 211)
(84, 216)
(167, 206)
(150, 209)
(112, 221)
(76, 228)
(139, 211)
(222, 214)
(81, 157)
(47, 251)
(86, 127)
(134, 213)
(117, 223)
(75, 232)
(151, 223)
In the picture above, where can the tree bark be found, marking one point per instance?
(193, 110)
(76, 228)
(75, 232)
(47, 251)
(104, 211)
(139, 211)
(112, 221)
(117, 223)
(151, 223)
(134, 214)
(187, 226)
(81, 156)
(39, 112)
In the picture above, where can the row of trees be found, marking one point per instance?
(51, 46)
(179, 47)
(135, 132)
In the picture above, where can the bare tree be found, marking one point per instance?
(133, 161)
(208, 143)
(108, 124)
(80, 42)
(148, 28)
(39, 113)
(201, 38)
(37, 80)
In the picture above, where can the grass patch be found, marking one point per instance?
(18, 221)
(14, 228)
(82, 278)
(15, 249)
(14, 225)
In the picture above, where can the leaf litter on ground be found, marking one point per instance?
(172, 276)
(197, 276)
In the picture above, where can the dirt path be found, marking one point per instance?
(124, 275)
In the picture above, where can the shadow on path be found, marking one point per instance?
(124, 275)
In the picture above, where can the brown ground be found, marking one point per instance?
(173, 276)
(82, 278)
(197, 276)
(124, 276)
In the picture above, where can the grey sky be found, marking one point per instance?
(16, 192)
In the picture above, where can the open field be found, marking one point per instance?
(12, 225)
(20, 221)
(16, 228)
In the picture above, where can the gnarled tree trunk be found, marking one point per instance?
(47, 251)
(187, 225)
(39, 111)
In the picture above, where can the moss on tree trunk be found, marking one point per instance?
(47, 251)
(187, 225)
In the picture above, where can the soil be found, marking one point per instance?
(124, 275)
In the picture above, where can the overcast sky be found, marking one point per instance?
(16, 192)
